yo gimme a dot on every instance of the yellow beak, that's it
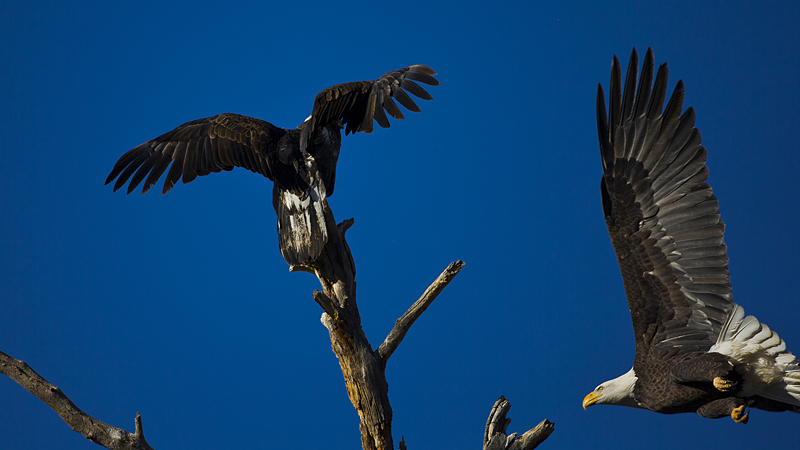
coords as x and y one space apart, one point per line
591 399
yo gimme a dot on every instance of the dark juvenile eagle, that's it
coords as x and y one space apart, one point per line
301 162
696 351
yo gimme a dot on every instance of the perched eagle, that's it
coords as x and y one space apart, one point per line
696 351
301 162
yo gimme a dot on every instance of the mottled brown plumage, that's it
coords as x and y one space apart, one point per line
665 227
301 161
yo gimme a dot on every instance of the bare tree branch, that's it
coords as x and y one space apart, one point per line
330 308
403 324
495 438
345 225
533 437
497 424
96 431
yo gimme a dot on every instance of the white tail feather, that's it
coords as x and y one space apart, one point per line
769 370
777 348
762 335
301 224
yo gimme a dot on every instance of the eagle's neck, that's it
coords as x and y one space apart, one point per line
619 391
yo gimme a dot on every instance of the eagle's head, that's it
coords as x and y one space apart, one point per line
618 391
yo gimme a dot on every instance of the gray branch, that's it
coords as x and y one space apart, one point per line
403 324
495 437
92 429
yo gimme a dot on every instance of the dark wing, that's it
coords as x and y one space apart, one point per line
663 220
354 106
198 148
358 103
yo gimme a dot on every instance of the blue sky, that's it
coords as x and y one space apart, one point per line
181 307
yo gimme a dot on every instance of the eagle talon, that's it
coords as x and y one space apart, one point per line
739 415
723 385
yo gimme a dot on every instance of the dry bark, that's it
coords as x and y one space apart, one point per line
495 437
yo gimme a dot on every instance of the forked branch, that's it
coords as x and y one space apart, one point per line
495 437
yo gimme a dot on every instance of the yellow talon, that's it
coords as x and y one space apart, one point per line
739 415
722 384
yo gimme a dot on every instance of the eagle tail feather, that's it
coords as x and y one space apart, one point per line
770 371
788 389
302 233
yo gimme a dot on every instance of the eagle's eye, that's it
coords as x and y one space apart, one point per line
599 389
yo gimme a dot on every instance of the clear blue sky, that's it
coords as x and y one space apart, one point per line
181 307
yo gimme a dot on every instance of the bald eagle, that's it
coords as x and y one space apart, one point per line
696 351
301 162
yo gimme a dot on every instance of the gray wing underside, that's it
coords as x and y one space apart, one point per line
662 217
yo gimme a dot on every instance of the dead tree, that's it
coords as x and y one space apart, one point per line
363 368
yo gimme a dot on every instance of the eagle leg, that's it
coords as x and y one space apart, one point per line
740 415
724 407
723 384
704 367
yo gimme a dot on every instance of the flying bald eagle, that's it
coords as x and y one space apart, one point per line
301 162
696 351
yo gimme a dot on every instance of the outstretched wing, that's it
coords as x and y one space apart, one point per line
358 103
663 220
354 106
198 148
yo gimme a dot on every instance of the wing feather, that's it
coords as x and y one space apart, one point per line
145 169
662 217
415 89
198 148
392 108
174 173
163 159
123 177
405 100
357 104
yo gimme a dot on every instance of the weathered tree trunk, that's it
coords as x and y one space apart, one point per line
363 368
